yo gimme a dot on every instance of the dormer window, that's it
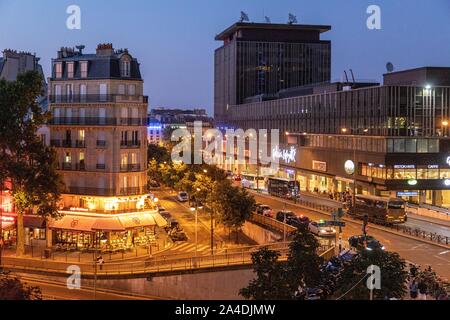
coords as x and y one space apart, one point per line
125 68
84 69
58 70
70 70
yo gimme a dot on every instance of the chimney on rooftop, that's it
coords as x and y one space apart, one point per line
105 49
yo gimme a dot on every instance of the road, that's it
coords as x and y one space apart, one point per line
428 226
54 290
410 249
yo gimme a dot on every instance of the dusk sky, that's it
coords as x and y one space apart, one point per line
174 39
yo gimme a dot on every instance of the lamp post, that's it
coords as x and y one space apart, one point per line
444 127
195 209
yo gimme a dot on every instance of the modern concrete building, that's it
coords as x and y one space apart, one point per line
99 129
257 60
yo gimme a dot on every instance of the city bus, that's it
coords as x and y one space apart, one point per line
252 181
283 188
380 210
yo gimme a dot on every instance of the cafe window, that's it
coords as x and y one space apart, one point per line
422 173
433 173
445 173
404 174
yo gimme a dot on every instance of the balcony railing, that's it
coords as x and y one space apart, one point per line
91 191
131 191
130 144
98 121
130 167
68 143
68 166
97 98
101 166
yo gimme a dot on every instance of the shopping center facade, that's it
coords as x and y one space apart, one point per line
388 139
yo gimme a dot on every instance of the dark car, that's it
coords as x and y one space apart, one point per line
292 219
178 236
365 242
261 207
166 215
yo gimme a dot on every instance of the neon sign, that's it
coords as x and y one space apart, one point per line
288 155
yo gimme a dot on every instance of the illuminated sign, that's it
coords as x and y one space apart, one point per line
447 182
404 166
448 161
412 182
407 194
433 166
8 219
319 166
349 167
288 155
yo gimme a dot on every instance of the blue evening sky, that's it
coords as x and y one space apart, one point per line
174 39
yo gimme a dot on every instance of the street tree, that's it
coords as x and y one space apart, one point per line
270 282
158 153
12 288
303 260
27 162
393 276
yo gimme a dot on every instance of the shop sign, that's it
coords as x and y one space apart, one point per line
7 219
407 194
319 166
433 166
447 182
404 166
287 155
349 167
412 182
448 161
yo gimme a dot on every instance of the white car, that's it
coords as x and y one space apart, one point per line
182 196
321 231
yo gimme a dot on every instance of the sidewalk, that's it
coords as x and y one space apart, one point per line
162 244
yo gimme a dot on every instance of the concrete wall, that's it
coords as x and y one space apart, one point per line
259 234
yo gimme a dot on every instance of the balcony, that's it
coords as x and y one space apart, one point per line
91 191
97 121
101 143
68 166
130 144
68 143
97 98
130 167
131 191
101 166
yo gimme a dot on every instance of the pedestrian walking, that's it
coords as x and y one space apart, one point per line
413 288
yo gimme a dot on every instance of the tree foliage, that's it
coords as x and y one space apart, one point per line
11 288
271 282
24 159
393 276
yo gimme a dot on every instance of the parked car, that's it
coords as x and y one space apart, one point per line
237 177
291 218
166 215
321 231
365 243
182 196
178 236
261 207
160 208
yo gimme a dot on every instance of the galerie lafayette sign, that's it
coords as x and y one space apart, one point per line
288 155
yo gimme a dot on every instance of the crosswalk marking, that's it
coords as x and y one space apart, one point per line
190 247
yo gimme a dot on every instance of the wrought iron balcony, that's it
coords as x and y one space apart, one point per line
97 98
97 121
130 144
130 167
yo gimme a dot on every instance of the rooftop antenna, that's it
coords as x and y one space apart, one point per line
267 19
389 67
80 48
244 17
346 77
292 19
353 76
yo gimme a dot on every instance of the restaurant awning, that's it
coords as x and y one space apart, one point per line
113 223
75 223
34 222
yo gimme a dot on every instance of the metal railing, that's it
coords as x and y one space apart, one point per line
101 143
169 263
96 98
97 121
130 144
91 191
272 223
130 167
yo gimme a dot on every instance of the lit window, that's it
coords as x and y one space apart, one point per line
84 69
125 68
58 70
70 70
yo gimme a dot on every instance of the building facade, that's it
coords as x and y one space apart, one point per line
257 60
389 139
99 129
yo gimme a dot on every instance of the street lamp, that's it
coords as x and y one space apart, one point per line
445 125
195 209
344 130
